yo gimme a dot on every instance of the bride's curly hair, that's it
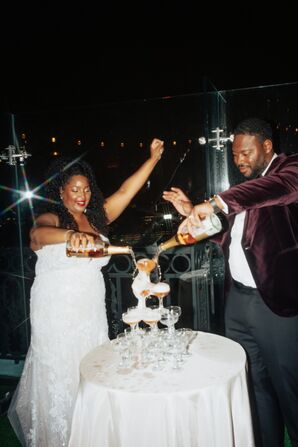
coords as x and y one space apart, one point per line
57 176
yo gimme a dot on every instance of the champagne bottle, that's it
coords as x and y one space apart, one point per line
212 224
100 249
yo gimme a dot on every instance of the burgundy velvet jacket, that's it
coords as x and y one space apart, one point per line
270 235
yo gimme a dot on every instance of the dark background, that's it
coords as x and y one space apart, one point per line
73 72
62 58
59 55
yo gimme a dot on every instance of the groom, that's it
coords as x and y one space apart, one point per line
261 254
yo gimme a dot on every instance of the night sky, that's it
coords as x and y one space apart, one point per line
52 59
58 61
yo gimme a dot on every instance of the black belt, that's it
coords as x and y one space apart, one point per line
244 288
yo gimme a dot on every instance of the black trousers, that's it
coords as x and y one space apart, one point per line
271 344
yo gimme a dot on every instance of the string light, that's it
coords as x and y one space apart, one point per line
24 138
123 144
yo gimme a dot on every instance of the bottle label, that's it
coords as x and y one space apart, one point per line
210 225
86 253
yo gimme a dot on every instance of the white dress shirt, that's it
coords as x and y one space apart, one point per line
239 267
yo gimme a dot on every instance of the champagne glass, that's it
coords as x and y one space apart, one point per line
132 317
151 316
123 347
187 335
141 288
170 316
174 310
167 319
160 290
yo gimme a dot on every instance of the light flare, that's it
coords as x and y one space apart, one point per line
28 194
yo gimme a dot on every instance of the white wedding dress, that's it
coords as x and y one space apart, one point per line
68 319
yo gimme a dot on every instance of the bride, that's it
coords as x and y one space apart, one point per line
67 304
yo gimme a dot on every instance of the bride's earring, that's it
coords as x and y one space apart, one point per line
85 210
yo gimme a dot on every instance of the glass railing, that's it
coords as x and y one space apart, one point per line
115 139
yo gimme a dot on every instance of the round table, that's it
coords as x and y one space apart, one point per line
203 404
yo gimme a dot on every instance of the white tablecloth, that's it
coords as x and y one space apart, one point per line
204 404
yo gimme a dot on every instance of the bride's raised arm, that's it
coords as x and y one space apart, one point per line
119 200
